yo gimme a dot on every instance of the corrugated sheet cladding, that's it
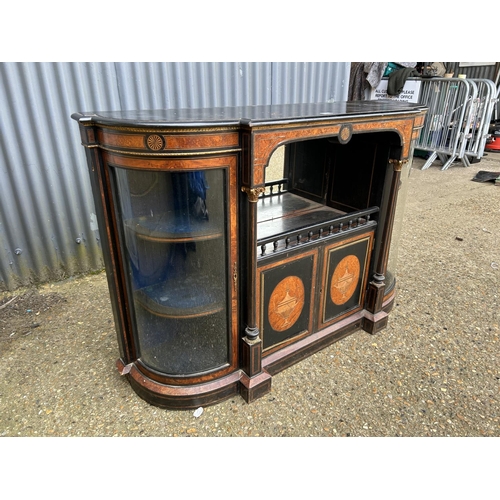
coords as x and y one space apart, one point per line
47 224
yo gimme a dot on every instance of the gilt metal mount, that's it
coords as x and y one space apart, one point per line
253 193
397 164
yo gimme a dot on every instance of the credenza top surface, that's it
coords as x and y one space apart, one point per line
247 115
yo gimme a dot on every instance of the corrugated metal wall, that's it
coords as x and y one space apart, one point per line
47 224
488 72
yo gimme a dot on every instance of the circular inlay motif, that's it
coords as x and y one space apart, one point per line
154 142
286 303
345 280
345 133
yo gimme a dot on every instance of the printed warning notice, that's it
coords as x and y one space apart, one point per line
410 92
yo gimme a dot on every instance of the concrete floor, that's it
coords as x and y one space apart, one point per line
437 358
434 371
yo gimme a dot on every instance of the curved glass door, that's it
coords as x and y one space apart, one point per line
175 234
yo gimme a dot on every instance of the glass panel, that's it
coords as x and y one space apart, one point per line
275 170
174 227
398 224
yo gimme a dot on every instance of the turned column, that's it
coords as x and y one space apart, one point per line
254 382
376 320
252 339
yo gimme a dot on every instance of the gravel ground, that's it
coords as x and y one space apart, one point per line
434 371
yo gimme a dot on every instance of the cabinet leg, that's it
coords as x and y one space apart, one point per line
375 318
254 382
251 356
375 297
252 388
373 323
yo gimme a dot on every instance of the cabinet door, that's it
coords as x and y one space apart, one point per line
177 226
285 291
344 278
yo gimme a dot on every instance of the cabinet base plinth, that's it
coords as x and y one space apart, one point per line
373 323
375 297
254 381
251 356
252 388
180 397
293 353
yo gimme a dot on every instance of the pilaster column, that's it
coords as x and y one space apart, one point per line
376 320
254 382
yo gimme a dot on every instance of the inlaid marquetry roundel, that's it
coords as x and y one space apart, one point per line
155 142
345 133
345 279
286 303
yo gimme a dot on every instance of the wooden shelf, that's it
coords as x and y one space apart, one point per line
188 298
288 212
171 228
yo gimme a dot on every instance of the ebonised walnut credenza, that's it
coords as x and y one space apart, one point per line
226 266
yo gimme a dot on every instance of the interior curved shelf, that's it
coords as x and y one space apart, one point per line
171 229
188 298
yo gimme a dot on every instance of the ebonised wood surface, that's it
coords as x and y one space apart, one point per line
288 212
250 115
